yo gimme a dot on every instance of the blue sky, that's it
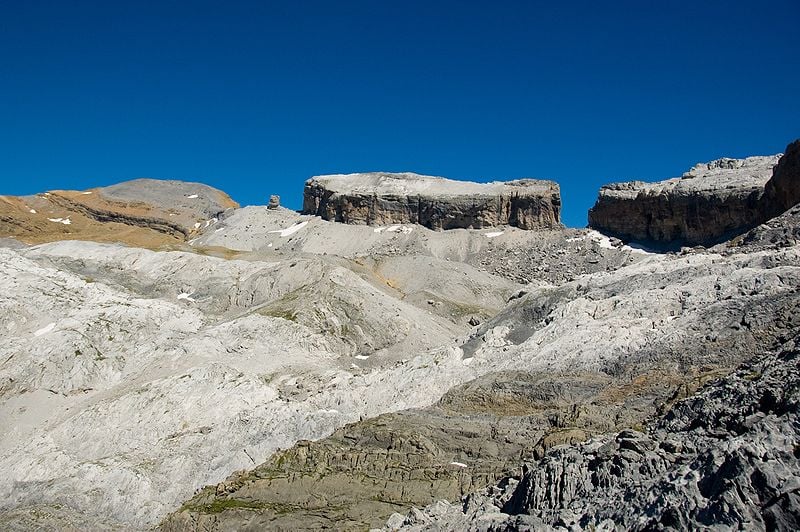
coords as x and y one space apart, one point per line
255 97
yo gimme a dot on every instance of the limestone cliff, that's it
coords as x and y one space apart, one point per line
782 192
708 203
387 198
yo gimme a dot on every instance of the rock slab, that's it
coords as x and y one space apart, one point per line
379 198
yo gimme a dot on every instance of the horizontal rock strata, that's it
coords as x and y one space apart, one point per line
707 203
143 212
435 202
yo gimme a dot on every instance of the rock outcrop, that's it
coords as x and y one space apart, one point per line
726 458
783 190
708 203
396 198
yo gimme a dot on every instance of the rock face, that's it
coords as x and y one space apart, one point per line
725 458
783 190
708 203
387 198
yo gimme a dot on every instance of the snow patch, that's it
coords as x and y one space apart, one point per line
399 229
65 221
493 234
602 240
378 229
197 225
32 211
193 196
291 230
362 357
605 242
86 193
44 330
638 248
458 464
187 296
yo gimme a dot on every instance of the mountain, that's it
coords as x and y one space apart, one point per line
174 360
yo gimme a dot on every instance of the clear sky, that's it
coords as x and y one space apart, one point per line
255 97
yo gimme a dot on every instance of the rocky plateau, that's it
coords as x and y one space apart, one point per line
435 202
710 203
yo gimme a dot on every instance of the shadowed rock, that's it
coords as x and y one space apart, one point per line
706 204
783 190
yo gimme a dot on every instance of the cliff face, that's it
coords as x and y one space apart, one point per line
435 202
708 203
782 192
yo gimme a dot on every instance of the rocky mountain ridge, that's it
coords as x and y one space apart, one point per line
317 374
149 213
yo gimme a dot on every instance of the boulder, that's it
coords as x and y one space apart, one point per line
395 198
274 202
709 203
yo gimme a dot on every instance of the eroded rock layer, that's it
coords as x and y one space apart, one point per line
709 202
726 458
148 213
435 202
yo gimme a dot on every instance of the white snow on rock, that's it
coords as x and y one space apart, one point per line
290 230
602 240
197 225
193 196
46 329
65 221
33 211
493 234
405 229
186 296
458 464
362 357
638 248
86 193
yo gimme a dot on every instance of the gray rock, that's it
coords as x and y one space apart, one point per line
387 198
274 202
708 203
731 464
783 190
